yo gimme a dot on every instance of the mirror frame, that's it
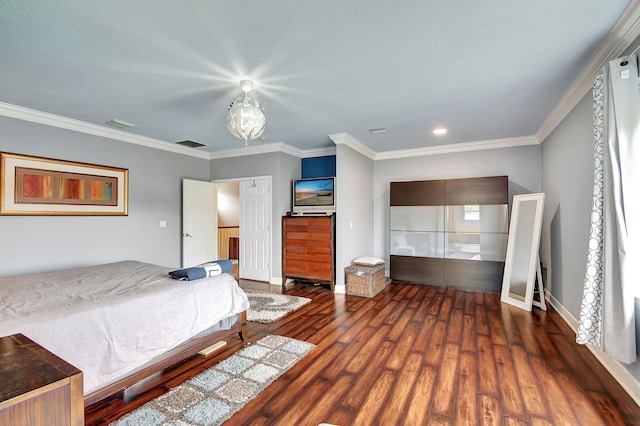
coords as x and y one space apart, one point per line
515 229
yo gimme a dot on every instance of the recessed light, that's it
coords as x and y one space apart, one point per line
120 123
439 131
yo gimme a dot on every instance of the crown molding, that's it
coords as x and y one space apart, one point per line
459 147
623 33
27 114
351 142
48 119
257 149
35 116
319 152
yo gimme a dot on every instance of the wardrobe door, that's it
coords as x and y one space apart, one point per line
416 238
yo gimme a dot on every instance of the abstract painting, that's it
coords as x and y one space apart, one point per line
45 186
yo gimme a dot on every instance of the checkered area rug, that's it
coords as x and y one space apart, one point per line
214 395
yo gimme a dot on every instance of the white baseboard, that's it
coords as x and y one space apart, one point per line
629 383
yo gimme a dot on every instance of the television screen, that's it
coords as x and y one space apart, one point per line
313 195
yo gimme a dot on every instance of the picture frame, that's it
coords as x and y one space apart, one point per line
38 186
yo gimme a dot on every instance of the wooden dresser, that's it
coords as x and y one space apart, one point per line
37 387
308 248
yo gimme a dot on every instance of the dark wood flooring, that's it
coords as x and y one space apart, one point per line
418 355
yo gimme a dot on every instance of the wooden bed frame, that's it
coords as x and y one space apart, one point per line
169 359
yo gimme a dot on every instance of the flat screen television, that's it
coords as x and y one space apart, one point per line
315 195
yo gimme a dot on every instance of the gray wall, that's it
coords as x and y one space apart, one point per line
282 168
567 170
354 216
521 164
40 243
567 180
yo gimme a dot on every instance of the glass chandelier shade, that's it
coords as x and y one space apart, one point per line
245 117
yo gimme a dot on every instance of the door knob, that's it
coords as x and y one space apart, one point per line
187 235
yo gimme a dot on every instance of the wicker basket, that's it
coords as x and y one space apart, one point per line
365 280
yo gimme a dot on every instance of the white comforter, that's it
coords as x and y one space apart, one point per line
107 320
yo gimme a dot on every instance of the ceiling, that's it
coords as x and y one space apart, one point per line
485 70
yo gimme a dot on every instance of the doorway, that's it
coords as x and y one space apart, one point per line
244 225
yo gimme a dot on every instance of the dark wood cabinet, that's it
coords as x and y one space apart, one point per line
37 387
417 269
417 193
449 232
484 190
234 248
308 248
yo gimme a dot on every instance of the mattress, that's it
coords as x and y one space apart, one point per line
107 320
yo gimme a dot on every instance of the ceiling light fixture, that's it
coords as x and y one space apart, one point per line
245 117
439 131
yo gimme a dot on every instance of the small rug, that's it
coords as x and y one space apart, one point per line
214 395
268 307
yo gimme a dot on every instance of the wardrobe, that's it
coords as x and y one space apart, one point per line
450 232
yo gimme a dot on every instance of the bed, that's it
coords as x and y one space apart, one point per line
121 322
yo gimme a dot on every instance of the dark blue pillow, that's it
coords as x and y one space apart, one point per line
188 274
197 272
226 265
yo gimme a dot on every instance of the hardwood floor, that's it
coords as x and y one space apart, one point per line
419 355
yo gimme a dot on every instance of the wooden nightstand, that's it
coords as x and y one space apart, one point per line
37 387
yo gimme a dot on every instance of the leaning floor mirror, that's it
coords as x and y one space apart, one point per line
521 264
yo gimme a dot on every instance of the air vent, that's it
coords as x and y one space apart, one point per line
121 124
190 144
377 130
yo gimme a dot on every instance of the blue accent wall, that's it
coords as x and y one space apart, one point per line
315 167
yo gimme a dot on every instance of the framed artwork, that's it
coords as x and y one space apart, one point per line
48 187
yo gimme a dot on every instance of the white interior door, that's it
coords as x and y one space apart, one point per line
199 222
255 229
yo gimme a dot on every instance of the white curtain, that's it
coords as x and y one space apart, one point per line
612 280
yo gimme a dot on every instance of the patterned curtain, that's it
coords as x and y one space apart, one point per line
607 314
590 321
